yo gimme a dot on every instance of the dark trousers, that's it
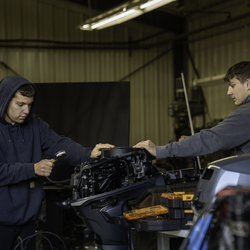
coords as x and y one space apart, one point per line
11 237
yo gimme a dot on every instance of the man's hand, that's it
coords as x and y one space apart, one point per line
97 149
183 137
148 145
44 167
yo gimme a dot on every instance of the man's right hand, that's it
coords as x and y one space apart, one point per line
183 137
44 167
148 145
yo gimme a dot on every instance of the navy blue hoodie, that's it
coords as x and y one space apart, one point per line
21 146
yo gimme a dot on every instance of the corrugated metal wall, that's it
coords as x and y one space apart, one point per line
216 49
51 56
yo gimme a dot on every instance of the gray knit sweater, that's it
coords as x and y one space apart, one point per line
232 133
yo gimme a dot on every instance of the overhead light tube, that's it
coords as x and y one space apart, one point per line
145 5
122 13
112 19
154 4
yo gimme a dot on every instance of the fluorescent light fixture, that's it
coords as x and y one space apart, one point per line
122 13
154 4
113 18
149 3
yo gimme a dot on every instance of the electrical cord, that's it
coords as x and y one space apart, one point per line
21 242
41 242
51 247
38 234
57 182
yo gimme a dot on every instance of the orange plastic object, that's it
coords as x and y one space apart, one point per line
171 196
187 197
145 212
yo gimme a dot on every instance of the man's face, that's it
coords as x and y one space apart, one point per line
18 108
238 91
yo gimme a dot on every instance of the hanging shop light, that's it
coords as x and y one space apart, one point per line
122 13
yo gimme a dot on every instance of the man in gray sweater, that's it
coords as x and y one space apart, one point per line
231 133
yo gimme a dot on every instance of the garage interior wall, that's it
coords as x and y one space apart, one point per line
39 41
216 49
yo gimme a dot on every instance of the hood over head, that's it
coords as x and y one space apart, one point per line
8 87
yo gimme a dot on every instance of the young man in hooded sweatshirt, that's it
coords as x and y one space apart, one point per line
25 138
231 133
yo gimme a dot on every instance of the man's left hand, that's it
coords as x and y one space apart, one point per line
97 149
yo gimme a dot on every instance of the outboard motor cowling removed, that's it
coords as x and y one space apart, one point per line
103 187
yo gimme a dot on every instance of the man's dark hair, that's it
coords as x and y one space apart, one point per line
240 71
27 90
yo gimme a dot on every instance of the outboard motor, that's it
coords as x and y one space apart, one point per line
103 187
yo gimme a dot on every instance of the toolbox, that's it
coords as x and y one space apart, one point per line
161 209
